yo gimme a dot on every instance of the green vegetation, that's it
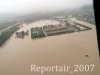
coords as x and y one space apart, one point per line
6 34
6 24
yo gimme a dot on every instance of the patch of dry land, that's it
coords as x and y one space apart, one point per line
16 55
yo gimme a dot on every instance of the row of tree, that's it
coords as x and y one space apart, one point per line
6 34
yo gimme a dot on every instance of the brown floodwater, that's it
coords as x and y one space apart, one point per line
16 55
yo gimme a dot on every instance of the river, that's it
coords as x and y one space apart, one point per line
16 55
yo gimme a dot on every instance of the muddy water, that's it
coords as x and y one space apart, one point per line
17 55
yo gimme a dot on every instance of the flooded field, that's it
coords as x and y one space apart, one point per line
16 55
